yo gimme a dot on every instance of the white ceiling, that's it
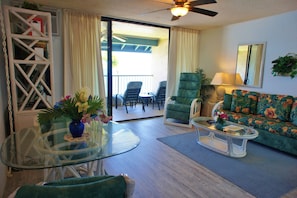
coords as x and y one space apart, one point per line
229 11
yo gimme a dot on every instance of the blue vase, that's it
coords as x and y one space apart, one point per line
76 128
219 126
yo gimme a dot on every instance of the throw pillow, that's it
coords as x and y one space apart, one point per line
240 104
241 101
227 102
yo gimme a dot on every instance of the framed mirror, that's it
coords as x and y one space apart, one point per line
249 65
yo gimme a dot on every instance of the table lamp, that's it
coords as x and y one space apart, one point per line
220 79
238 79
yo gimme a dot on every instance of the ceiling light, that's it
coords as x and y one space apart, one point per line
179 11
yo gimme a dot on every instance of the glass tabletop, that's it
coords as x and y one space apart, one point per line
231 129
36 148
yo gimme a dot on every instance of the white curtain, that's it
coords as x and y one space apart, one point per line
183 55
82 53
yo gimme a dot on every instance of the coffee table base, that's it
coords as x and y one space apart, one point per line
225 147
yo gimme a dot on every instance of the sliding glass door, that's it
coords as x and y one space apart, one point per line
132 52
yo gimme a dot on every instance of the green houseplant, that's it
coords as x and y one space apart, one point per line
206 87
285 65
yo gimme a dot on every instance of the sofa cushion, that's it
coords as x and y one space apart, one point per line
240 102
275 106
275 126
293 115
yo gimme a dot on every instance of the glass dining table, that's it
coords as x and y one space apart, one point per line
53 149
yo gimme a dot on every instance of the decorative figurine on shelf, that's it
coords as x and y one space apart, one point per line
220 118
80 109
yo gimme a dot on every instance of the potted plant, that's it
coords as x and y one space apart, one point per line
285 66
30 6
206 88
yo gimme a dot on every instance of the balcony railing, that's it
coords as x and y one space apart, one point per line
119 83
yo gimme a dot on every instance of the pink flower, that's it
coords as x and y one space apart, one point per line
223 116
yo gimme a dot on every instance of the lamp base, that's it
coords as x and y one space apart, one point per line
220 91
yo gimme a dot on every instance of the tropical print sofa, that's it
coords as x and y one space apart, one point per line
274 116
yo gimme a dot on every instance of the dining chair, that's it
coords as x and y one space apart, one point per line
131 95
179 109
96 186
160 96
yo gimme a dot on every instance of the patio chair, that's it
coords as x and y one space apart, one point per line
180 109
131 95
96 186
160 96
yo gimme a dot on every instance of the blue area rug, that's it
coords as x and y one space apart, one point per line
264 172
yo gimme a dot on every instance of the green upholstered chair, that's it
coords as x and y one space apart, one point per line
186 105
86 187
131 95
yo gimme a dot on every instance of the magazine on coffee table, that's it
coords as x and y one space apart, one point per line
232 128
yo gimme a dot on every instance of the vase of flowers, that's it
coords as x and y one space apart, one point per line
220 118
79 109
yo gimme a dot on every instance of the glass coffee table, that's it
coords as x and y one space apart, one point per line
232 141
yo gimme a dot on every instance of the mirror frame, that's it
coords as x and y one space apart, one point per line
242 71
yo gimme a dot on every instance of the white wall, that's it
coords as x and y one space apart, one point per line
218 48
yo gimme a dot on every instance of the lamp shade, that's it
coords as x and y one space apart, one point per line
238 79
221 78
179 11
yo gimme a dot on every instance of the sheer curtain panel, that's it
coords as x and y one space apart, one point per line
183 55
82 53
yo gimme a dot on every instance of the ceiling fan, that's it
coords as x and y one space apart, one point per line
182 7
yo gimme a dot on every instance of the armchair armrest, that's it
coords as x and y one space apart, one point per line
173 97
217 107
195 108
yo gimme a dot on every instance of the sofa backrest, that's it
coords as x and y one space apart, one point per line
283 107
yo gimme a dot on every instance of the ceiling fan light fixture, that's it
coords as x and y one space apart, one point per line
179 11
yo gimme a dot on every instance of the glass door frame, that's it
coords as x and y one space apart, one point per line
109 21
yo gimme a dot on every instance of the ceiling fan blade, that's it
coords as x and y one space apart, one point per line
174 18
157 10
201 2
203 11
